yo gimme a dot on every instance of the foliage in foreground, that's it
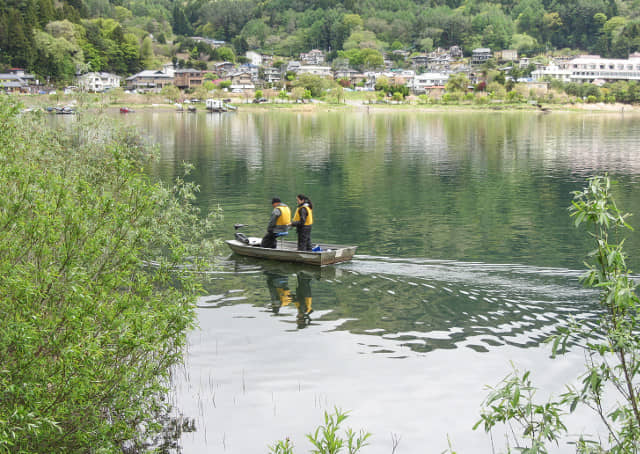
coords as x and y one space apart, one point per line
611 380
327 439
94 315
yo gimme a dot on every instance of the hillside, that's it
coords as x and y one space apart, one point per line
57 38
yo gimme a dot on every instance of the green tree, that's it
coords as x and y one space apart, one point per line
181 25
19 41
255 33
317 85
46 12
171 92
146 53
224 54
57 57
457 82
91 328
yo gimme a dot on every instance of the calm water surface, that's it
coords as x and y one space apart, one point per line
467 261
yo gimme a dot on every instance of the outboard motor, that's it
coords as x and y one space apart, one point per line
242 237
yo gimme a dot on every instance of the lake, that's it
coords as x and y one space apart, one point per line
467 260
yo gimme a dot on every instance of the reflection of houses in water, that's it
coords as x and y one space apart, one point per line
584 144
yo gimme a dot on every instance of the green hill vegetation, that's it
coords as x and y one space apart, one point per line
57 39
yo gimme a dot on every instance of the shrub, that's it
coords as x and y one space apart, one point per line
94 315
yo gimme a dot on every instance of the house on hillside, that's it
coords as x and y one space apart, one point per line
241 82
480 55
551 71
251 69
314 57
506 55
272 75
98 82
403 77
323 71
430 83
187 78
18 81
254 57
455 52
224 67
149 80
421 60
348 74
294 66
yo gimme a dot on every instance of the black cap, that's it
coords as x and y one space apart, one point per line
275 200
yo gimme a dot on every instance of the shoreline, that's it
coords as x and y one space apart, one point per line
100 103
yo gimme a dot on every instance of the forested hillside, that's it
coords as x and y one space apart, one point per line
57 38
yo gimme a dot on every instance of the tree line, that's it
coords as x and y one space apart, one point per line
59 38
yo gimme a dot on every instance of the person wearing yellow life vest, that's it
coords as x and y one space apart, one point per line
302 221
278 223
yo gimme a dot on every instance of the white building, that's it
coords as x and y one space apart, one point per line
551 71
254 58
272 75
588 68
98 81
422 83
313 57
480 55
324 71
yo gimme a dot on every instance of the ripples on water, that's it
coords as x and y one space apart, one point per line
421 304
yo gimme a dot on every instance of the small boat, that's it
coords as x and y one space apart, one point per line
215 105
192 109
125 110
64 110
286 251
218 105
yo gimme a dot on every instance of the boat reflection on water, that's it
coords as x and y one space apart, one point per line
419 304
282 296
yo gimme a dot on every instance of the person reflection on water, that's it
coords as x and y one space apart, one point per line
302 221
303 300
281 295
278 285
278 223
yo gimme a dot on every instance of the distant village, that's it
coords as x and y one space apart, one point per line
427 73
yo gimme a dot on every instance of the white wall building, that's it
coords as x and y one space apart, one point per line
588 68
313 57
98 81
551 71
254 58
424 82
324 71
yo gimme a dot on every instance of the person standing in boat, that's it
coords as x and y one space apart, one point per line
279 223
302 221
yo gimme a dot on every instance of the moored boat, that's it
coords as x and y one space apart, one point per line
287 252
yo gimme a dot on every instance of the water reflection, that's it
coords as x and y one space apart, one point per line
423 305
281 295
